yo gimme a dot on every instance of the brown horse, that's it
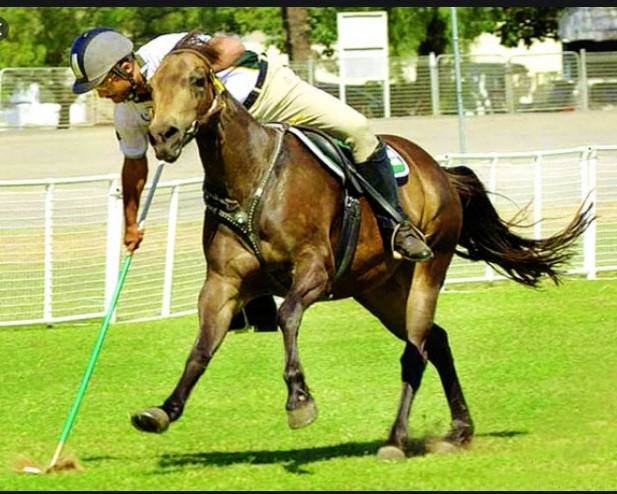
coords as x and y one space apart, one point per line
290 208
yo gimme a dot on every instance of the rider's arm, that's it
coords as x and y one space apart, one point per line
134 175
133 142
229 50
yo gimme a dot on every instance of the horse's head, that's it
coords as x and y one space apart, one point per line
185 93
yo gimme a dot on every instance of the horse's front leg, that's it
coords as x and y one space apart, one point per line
309 285
217 304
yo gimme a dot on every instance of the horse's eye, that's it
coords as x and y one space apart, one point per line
199 81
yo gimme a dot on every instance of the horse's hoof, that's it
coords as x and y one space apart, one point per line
151 420
391 453
302 416
460 434
442 447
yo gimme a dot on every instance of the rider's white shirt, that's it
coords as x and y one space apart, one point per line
131 119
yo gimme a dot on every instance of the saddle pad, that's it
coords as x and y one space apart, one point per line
399 166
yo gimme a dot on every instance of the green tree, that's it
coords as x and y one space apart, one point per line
21 48
527 24
37 38
43 35
411 30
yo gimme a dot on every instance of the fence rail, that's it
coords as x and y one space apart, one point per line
425 85
60 239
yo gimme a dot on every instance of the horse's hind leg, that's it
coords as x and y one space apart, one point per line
217 304
309 284
408 314
388 303
440 355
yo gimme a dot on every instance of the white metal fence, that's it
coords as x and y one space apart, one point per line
415 86
60 240
42 97
490 84
552 185
60 250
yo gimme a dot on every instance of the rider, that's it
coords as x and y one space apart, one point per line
104 60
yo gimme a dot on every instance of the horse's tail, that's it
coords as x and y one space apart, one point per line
487 237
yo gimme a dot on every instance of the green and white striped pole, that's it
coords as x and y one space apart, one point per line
68 425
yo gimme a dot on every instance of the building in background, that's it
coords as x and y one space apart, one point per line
591 28
592 33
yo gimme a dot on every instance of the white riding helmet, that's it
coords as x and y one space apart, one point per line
94 54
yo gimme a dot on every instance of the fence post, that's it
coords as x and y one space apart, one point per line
310 69
509 89
170 253
1 76
48 255
342 80
582 79
115 218
94 109
386 89
537 196
434 72
489 272
588 189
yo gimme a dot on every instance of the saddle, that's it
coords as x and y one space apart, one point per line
337 159
336 156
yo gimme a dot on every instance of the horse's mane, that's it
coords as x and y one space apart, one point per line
198 42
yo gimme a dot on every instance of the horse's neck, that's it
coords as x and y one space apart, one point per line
235 151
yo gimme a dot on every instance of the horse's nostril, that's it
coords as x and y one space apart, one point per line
172 131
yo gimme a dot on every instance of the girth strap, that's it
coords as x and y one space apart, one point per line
348 240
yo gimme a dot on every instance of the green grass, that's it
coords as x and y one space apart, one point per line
538 369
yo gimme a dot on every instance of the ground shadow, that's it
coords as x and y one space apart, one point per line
103 458
292 460
502 434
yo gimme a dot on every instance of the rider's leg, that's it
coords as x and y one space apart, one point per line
403 238
287 98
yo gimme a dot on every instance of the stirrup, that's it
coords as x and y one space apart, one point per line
420 236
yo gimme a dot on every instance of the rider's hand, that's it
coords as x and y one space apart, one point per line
132 238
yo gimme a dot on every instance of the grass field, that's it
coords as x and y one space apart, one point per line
538 369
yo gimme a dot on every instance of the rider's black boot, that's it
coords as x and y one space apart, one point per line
404 239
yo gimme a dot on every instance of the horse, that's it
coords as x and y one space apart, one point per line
273 221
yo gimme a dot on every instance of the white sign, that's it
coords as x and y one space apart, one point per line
363 51
363 45
357 30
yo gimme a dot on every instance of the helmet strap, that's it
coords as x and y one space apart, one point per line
133 95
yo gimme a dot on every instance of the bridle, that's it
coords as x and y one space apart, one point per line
217 102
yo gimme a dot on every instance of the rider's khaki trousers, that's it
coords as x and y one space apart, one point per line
287 98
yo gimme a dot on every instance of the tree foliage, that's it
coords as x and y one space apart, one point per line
42 36
526 24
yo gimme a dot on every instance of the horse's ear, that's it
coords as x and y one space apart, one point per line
197 41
